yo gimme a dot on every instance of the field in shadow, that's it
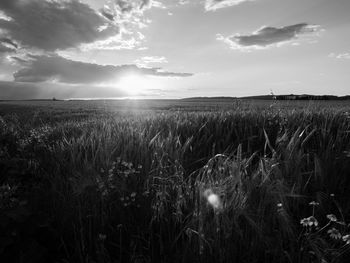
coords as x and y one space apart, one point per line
174 181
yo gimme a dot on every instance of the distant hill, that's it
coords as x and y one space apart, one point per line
272 97
210 99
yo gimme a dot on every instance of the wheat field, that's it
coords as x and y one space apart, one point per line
173 181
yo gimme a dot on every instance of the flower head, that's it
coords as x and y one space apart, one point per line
309 221
334 233
346 239
304 222
332 218
314 203
102 237
313 221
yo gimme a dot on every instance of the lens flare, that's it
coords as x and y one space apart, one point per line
213 199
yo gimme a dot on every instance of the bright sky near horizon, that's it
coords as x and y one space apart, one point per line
173 48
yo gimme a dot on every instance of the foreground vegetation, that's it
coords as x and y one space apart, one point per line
248 184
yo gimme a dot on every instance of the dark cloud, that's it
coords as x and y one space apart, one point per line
11 90
5 48
53 25
18 60
145 4
8 4
9 42
107 14
22 91
268 36
7 45
59 69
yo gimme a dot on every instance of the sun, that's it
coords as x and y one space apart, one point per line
132 84
138 85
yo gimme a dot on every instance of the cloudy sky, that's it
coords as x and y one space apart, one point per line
173 48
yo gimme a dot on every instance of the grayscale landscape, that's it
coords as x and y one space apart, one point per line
174 131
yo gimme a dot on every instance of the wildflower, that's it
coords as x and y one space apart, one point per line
313 203
102 237
213 199
313 221
309 221
332 218
133 194
279 205
346 239
334 233
304 222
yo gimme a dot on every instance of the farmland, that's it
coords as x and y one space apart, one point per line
130 181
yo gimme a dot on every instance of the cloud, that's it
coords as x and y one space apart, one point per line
118 42
17 90
130 11
212 5
53 25
184 2
10 90
6 46
57 69
340 56
145 61
128 15
129 6
268 36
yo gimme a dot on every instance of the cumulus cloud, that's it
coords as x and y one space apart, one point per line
53 25
212 5
129 11
268 36
130 6
128 15
61 70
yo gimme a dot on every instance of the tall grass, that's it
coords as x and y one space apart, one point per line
131 187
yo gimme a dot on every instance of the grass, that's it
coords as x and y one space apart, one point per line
129 182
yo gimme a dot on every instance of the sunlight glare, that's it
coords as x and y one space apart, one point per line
138 85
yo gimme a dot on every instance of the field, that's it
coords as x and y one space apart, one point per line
174 181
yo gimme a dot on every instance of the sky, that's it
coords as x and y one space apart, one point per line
167 49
